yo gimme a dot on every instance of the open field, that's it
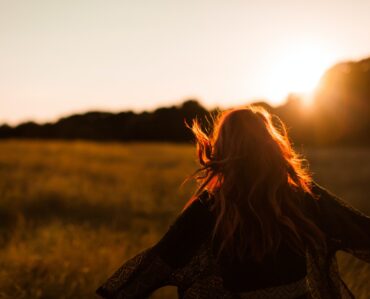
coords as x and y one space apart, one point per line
72 212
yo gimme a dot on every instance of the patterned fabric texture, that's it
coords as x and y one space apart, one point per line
201 279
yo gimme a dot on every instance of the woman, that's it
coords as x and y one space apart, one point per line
257 226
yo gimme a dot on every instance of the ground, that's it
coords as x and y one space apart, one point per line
72 211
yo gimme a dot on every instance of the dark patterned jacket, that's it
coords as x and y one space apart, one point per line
197 275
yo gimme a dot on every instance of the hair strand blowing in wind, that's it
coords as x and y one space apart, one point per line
258 182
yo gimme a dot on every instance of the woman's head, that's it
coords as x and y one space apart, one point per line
248 149
257 179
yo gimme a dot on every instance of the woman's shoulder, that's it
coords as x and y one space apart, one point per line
318 196
196 211
341 221
206 199
319 201
320 192
327 201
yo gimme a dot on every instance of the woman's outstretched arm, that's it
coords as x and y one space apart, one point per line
150 269
345 225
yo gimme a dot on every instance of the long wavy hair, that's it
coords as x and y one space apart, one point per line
258 182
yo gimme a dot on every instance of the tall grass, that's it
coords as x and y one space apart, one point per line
72 212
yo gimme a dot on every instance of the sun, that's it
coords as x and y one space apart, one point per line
297 69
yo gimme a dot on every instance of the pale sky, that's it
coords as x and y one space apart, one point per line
71 56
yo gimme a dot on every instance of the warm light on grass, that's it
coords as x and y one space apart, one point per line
76 210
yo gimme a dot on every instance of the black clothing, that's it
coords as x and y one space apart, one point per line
195 225
184 257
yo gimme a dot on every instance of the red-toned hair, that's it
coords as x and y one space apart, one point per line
258 182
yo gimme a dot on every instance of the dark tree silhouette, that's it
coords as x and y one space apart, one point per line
340 115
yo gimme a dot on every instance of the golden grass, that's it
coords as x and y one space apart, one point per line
72 212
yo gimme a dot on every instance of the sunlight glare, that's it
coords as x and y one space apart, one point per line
298 70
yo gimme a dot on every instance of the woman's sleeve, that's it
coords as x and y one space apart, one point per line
151 269
346 226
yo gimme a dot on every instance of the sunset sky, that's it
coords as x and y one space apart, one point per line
68 56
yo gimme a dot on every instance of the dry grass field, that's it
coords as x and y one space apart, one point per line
72 212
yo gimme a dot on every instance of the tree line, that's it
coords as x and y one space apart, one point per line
339 116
